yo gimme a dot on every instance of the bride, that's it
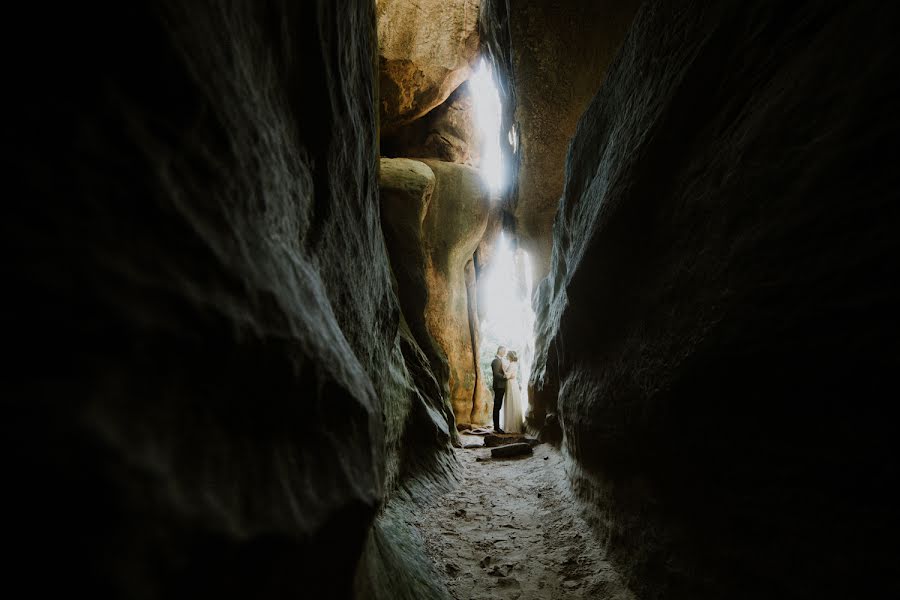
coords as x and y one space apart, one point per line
513 419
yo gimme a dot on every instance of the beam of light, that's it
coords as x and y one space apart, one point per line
509 318
487 116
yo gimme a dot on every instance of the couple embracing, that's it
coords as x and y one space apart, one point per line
505 368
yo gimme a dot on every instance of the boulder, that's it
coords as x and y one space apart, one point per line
425 51
510 450
406 188
723 327
448 133
494 440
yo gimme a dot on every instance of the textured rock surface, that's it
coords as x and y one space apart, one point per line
213 392
455 224
425 51
448 133
559 53
406 188
435 215
722 305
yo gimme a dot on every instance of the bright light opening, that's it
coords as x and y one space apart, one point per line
487 116
509 319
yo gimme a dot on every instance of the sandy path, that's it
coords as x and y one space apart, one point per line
512 530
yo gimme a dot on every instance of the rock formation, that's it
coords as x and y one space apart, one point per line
557 55
448 133
456 222
425 51
436 214
214 392
435 262
720 317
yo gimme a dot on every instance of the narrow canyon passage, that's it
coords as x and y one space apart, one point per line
270 264
512 529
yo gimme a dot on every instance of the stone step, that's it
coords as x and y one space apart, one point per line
508 450
494 440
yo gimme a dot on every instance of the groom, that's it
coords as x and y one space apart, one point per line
499 385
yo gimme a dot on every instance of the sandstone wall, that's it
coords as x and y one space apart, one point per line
213 392
449 133
721 313
427 113
436 214
426 49
559 52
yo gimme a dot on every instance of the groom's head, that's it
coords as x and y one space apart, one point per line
501 351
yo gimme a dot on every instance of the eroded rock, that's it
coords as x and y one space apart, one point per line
432 231
455 224
494 440
425 51
721 325
448 133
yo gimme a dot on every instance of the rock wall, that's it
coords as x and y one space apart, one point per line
448 133
456 223
213 391
721 313
426 49
436 215
559 52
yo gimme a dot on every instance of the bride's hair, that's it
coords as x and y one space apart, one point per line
512 356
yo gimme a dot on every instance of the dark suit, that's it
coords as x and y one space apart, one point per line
499 389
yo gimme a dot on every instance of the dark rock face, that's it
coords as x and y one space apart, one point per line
212 383
553 55
721 314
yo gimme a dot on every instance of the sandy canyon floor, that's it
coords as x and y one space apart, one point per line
512 530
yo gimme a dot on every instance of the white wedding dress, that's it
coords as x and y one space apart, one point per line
513 417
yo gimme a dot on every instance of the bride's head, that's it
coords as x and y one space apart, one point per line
512 356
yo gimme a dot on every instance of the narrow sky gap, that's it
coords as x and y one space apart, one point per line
487 116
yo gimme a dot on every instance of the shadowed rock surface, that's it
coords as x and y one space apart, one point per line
448 133
559 53
214 392
721 314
